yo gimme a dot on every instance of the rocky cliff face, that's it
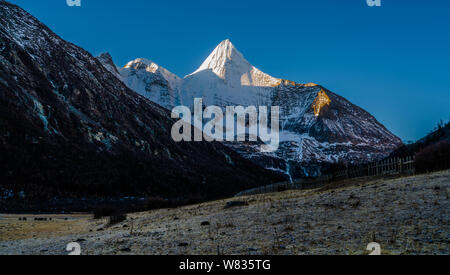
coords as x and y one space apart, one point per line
317 125
70 127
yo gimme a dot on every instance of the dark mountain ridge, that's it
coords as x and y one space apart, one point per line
441 133
70 129
432 153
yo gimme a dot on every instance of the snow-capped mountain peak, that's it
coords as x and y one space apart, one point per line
316 124
148 79
229 64
151 67
217 60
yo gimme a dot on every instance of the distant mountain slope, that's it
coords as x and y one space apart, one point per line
70 128
442 133
317 125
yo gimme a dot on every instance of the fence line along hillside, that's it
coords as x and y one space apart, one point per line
392 166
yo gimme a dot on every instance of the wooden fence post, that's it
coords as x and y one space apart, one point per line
401 165
397 165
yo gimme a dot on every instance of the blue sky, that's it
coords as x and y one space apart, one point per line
393 61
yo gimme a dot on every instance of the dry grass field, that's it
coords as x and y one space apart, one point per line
408 215
11 228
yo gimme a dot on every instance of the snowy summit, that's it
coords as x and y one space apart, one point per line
229 64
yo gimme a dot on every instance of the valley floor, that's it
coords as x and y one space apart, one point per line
405 216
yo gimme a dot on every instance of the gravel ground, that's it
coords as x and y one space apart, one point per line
405 216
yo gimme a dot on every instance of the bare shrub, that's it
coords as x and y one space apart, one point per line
104 211
117 218
434 157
